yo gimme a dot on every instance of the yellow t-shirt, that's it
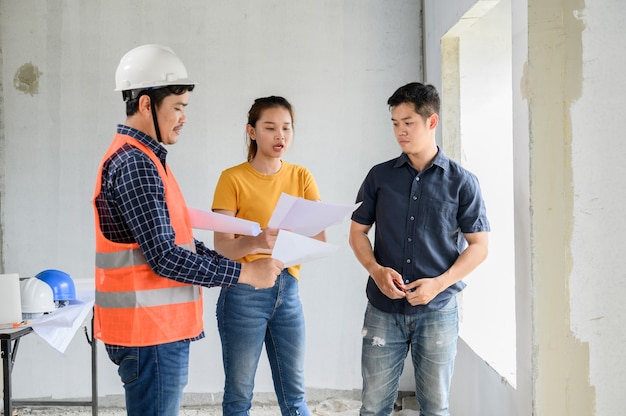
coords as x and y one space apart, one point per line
252 195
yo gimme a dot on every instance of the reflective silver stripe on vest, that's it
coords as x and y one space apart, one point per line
147 298
126 258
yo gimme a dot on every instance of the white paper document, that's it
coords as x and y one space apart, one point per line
292 248
58 328
306 217
206 220
297 218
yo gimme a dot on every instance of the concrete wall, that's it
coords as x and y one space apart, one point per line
574 83
337 62
568 150
598 148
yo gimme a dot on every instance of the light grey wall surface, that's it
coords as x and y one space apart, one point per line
337 62
581 370
568 152
598 147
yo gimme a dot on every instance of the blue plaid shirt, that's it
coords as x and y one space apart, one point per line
132 208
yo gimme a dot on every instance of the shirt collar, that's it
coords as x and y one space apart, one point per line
440 160
144 139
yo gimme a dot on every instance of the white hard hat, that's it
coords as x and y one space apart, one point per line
36 296
149 66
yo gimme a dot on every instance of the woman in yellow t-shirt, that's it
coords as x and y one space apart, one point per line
248 318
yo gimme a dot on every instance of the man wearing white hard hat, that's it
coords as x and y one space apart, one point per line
149 266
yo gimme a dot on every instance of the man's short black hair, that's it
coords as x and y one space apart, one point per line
424 98
131 97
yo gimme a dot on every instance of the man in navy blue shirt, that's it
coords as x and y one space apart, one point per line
431 231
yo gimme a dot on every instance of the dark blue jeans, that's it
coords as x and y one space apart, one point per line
246 319
154 377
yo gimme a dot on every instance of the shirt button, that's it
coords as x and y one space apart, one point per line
409 239
417 178
414 197
408 260
412 218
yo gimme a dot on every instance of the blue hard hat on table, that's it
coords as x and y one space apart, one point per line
61 283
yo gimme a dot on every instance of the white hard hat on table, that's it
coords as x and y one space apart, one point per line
36 297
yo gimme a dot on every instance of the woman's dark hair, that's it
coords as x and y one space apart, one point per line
260 105
424 98
131 97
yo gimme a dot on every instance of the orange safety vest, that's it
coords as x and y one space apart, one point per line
134 306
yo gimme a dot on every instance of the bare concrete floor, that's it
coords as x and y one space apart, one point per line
328 408
333 406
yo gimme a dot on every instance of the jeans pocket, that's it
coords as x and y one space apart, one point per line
244 287
127 360
450 307
129 369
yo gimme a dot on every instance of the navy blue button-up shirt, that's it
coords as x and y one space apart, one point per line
420 219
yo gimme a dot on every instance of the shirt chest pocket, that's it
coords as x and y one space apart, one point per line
440 216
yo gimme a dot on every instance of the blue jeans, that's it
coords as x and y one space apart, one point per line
154 377
246 319
432 338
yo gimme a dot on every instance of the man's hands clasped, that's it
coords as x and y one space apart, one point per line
418 292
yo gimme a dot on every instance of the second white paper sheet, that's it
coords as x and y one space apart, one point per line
292 248
306 217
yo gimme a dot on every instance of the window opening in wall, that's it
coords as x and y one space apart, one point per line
477 132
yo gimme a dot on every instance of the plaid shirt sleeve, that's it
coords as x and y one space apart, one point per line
139 196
